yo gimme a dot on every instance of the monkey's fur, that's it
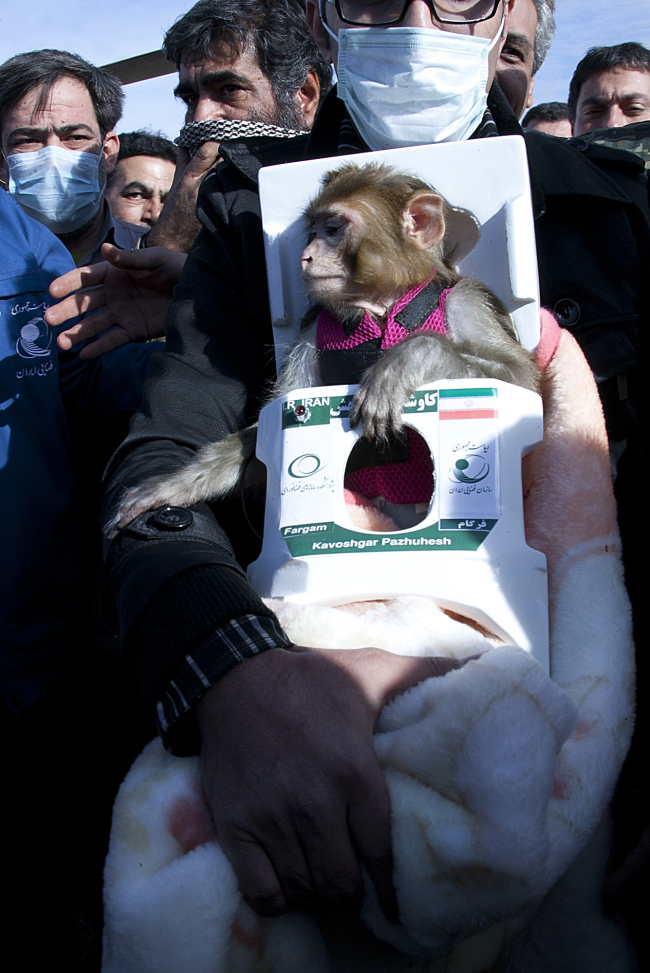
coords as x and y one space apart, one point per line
364 215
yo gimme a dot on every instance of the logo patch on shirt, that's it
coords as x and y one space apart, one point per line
34 339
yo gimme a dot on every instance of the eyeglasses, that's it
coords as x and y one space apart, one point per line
383 13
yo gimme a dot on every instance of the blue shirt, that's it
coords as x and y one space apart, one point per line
42 541
121 234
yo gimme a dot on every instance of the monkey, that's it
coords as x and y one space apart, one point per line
376 266
373 234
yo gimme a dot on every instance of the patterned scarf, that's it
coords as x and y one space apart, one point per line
195 134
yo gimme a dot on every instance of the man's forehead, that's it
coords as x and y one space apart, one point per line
66 102
523 19
221 57
148 169
615 81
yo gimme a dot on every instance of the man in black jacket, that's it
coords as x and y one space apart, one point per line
285 732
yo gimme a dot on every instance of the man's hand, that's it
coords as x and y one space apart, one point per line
133 291
296 794
178 226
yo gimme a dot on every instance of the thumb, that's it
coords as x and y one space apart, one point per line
124 259
133 260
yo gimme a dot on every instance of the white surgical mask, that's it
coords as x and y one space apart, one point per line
56 186
411 85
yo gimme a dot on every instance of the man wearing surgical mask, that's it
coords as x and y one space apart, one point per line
57 120
445 54
291 775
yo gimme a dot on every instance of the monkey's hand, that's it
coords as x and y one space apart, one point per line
388 384
215 472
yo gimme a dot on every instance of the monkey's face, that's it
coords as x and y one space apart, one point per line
328 258
372 234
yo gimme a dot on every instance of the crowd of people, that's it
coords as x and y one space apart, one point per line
110 241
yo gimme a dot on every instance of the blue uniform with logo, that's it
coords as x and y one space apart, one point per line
42 567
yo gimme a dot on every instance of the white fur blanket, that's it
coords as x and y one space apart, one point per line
498 774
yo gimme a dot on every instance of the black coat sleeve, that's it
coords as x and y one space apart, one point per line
206 385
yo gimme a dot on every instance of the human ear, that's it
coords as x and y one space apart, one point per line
110 150
531 96
423 221
307 98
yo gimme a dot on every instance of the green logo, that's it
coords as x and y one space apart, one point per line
305 465
470 469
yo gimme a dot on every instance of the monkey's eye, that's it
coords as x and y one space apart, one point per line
331 228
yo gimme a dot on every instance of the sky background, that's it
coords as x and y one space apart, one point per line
108 30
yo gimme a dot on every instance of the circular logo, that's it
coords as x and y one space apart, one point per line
470 469
302 413
305 465
34 339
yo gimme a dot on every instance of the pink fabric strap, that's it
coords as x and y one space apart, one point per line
550 334
331 336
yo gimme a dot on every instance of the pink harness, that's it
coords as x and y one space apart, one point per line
330 335
410 482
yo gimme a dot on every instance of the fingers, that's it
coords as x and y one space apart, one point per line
306 861
369 820
416 670
156 267
440 665
126 259
137 263
378 405
84 330
107 342
327 845
256 876
132 259
74 279
72 307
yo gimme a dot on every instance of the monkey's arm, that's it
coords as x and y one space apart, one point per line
480 343
300 369
215 471
482 330
217 468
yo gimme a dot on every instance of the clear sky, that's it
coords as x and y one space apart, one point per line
108 30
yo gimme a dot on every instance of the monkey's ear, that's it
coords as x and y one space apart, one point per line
423 221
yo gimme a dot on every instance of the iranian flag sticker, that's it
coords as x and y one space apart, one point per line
468 404
468 474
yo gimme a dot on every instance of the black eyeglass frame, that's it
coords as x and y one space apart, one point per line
407 3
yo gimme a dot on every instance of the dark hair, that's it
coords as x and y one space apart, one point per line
275 29
146 143
548 111
630 56
42 69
